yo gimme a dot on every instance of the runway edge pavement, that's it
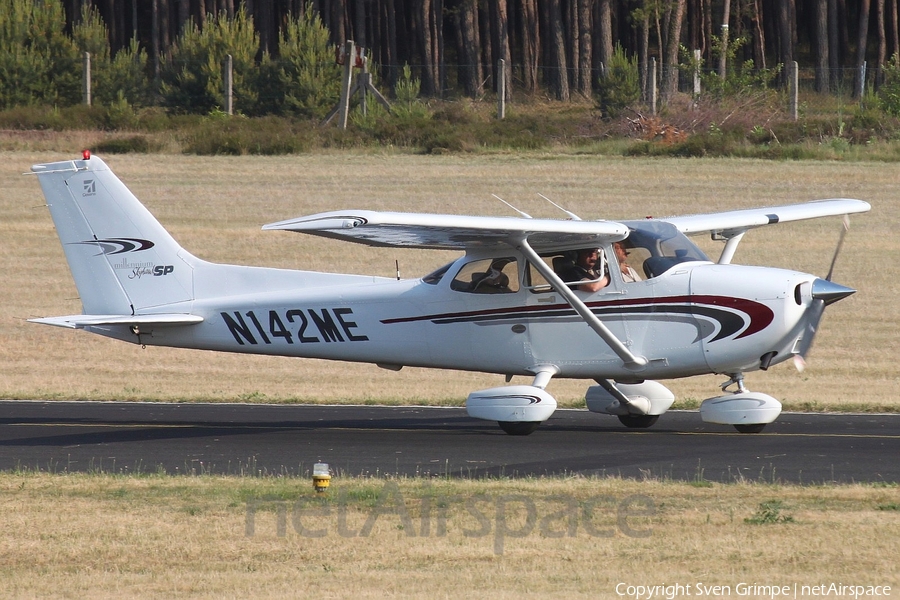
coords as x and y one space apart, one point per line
260 439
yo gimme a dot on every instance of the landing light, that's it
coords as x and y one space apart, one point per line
321 477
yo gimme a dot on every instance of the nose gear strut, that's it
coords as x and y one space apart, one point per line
735 379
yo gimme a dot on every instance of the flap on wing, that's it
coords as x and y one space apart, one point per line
82 321
451 232
736 221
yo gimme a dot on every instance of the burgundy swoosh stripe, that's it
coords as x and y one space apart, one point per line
760 315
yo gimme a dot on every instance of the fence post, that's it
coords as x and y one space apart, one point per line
227 82
862 82
793 85
86 79
697 58
652 83
365 81
346 84
501 89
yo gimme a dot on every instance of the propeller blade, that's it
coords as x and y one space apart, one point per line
824 292
814 312
844 230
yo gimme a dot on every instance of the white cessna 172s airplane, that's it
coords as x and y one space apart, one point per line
503 307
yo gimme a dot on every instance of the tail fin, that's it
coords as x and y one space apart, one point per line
121 258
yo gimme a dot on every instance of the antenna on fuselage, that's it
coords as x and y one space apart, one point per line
523 213
572 215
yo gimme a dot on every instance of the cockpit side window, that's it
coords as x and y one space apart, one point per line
488 276
566 265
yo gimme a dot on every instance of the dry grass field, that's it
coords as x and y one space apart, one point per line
106 536
215 207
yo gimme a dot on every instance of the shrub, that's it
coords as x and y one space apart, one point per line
406 94
455 113
769 513
113 80
889 92
621 86
305 81
38 62
741 78
240 136
192 79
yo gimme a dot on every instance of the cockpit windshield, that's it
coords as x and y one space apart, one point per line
435 277
661 246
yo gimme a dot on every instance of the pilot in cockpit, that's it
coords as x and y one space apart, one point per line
589 267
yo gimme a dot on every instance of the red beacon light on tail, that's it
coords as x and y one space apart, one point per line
86 154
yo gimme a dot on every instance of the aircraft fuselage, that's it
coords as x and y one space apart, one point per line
696 318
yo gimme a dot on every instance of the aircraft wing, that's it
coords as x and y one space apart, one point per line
82 321
736 221
452 232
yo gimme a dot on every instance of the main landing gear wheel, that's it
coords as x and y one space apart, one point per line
519 427
638 421
755 428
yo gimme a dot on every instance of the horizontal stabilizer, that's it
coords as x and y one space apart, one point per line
82 321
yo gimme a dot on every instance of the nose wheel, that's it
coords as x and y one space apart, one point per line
755 428
519 427
638 421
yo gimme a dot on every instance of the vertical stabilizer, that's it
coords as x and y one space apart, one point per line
121 258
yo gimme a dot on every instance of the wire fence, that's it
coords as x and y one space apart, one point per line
843 86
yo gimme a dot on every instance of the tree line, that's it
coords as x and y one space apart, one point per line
559 48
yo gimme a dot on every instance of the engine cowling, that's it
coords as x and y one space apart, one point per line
514 403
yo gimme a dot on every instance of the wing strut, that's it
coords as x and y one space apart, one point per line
731 244
632 362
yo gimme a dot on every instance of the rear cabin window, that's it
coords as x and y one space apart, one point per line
488 276
558 262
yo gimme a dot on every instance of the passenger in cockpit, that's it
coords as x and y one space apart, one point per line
628 274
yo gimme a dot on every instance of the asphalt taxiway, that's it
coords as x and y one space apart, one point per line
125 437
